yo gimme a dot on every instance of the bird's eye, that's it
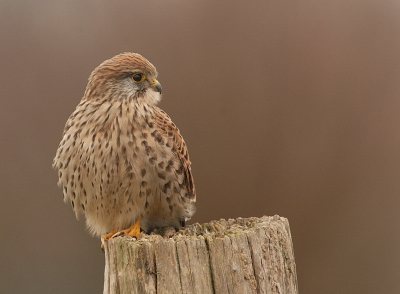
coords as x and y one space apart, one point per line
138 77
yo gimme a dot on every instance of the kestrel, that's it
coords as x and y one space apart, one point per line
122 162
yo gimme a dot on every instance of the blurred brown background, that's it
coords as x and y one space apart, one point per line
288 107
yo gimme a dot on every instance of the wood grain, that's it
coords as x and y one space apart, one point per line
252 255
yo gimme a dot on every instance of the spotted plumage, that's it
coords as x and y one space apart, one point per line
121 159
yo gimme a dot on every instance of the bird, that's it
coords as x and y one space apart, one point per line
122 162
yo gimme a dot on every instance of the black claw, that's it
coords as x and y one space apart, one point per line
118 234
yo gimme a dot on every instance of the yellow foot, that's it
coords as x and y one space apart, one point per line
133 231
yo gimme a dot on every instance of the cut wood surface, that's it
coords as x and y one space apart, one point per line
245 255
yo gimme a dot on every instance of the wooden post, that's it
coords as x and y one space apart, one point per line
252 255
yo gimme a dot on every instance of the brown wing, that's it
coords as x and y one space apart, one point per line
168 128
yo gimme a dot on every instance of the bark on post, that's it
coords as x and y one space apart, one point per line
252 255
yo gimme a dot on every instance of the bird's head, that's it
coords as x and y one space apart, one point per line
125 76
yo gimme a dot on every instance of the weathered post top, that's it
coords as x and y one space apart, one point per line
245 255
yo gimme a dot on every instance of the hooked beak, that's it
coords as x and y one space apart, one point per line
156 85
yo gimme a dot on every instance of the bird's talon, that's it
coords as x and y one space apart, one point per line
118 234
